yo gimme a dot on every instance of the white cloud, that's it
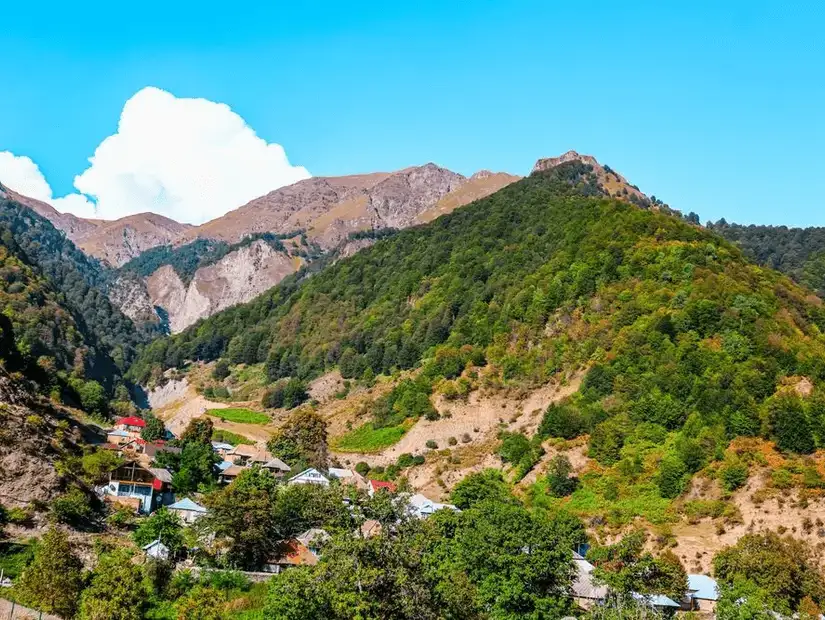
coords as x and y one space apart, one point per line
189 159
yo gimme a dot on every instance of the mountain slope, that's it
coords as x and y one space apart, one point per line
545 276
797 252
80 284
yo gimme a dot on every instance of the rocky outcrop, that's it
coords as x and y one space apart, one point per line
118 242
128 292
236 278
613 183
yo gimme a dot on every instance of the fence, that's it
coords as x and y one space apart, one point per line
10 610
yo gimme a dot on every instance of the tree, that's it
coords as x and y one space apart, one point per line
53 581
790 425
199 430
671 478
627 568
161 524
154 429
117 590
201 603
478 487
517 565
302 439
241 513
294 595
559 481
197 467
782 568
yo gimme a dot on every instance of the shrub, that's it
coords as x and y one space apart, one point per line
671 478
362 468
733 473
452 441
513 447
562 421
559 481
405 460
432 444
465 438
72 507
221 370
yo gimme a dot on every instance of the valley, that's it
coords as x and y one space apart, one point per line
559 351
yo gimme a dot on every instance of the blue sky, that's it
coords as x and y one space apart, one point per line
717 108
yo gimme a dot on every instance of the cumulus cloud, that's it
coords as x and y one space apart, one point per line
189 159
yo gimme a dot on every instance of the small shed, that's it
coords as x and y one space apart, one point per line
703 593
188 510
156 550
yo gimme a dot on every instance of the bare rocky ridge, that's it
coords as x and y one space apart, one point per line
236 278
118 242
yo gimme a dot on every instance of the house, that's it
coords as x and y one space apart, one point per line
156 550
131 424
276 467
659 602
310 476
314 539
290 553
149 485
586 592
187 510
244 454
422 507
118 437
221 448
702 594
373 486
151 450
230 473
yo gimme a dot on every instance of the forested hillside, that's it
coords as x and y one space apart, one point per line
544 277
797 252
80 281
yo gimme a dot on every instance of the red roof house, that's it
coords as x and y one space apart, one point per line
131 420
376 485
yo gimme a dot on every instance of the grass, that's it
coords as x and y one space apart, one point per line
240 415
219 434
14 558
366 439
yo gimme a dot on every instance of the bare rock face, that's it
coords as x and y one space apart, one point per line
397 201
236 278
129 294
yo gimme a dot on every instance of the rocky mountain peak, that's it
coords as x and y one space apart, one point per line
548 163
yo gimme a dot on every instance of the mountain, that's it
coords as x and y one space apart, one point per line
797 252
329 208
73 226
227 261
614 360
541 277
119 241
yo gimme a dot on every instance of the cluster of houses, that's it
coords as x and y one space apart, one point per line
143 486
701 596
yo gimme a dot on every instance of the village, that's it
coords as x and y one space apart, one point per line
143 486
